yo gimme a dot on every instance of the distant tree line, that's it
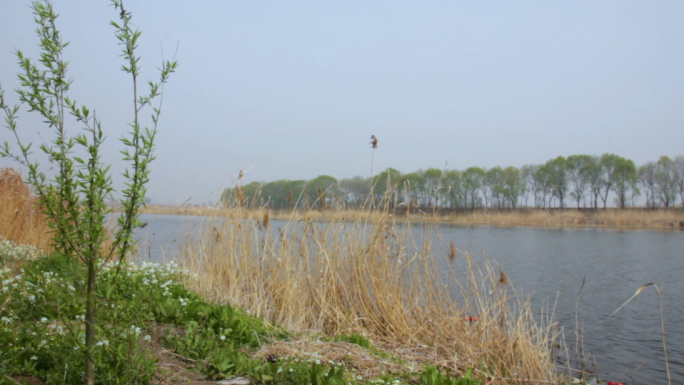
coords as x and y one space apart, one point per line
582 181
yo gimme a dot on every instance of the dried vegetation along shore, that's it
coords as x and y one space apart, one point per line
21 220
369 275
529 217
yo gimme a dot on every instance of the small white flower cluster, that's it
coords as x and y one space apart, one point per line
14 286
157 277
134 331
56 328
10 282
317 359
314 357
43 336
48 276
17 252
18 286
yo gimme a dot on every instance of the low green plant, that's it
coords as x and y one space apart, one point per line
41 319
354 338
322 375
214 336
433 376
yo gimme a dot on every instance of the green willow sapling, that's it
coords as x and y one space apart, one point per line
74 199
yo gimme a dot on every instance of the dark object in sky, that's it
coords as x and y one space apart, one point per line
374 141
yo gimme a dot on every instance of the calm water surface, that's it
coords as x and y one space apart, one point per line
543 262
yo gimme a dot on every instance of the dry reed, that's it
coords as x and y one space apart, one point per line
372 275
21 220
610 218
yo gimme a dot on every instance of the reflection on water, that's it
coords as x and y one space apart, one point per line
544 262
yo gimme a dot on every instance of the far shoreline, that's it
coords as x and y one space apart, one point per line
610 218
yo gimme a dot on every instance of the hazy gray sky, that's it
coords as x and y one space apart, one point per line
296 88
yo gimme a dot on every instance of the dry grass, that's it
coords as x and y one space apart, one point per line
21 220
178 210
527 217
611 218
371 275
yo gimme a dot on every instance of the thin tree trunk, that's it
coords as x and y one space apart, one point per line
90 324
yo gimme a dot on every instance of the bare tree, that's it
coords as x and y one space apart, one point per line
665 185
646 177
527 181
578 175
679 177
596 178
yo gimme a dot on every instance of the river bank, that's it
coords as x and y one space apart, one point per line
366 280
547 265
658 220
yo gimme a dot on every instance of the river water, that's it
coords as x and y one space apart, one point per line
550 266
